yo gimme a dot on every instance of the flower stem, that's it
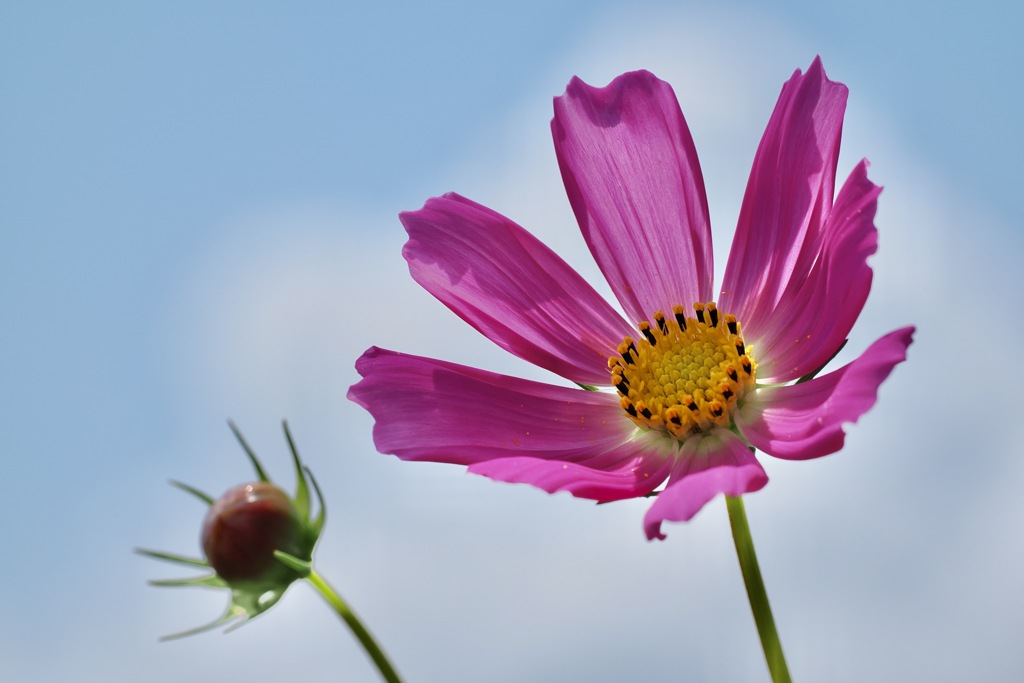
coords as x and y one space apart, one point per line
345 612
755 590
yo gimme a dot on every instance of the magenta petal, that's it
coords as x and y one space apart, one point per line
428 409
633 179
513 289
817 313
633 469
804 421
789 194
717 462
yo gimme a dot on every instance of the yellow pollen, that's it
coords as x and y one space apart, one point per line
683 374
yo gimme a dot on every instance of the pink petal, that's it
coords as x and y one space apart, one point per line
633 469
804 421
634 182
717 462
817 312
509 286
428 409
788 197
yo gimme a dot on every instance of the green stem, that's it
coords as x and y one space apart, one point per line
755 590
367 641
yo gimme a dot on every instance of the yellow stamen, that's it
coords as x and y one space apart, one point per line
683 375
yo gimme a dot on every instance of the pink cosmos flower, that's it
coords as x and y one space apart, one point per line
691 382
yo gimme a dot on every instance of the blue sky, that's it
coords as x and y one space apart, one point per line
198 219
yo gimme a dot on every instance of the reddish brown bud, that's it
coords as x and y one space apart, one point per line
245 526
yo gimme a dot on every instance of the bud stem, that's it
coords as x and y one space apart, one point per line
756 593
348 616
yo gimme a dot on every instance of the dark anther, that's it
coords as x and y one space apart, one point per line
713 312
700 314
740 348
717 411
623 387
732 327
660 319
727 393
681 319
645 412
732 374
646 329
631 409
746 365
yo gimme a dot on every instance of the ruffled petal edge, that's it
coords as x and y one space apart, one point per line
631 172
788 196
804 421
718 462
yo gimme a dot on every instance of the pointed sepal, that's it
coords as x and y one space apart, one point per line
205 497
260 472
171 557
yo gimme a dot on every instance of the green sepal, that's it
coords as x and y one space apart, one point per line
317 523
211 581
205 497
303 480
171 557
588 387
249 452
303 567
301 487
226 618
246 604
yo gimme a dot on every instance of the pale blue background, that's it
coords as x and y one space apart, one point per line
198 221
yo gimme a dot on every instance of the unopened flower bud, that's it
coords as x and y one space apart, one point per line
258 540
245 526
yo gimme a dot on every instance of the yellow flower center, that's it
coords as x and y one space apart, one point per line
685 374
